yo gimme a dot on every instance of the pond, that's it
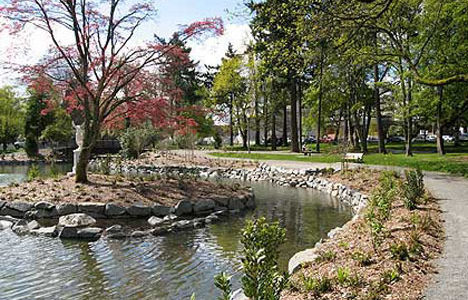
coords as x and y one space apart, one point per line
166 267
18 173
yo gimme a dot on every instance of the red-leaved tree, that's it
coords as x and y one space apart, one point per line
101 74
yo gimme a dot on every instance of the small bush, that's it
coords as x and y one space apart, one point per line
33 172
391 276
364 259
317 285
342 275
376 291
399 251
415 246
413 188
223 283
326 256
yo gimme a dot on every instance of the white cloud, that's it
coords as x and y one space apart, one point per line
211 50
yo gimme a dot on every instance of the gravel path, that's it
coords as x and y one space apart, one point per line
452 280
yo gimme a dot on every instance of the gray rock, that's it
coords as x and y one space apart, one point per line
250 202
33 225
16 208
154 221
221 200
89 233
93 209
2 204
66 209
68 233
20 227
183 224
138 210
184 207
239 295
46 231
76 220
44 205
114 210
236 203
204 206
9 219
170 217
139 234
115 232
5 224
296 262
162 211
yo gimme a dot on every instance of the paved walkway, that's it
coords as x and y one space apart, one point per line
451 283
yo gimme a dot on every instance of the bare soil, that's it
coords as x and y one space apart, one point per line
119 190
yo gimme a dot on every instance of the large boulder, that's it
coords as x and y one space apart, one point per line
89 233
162 211
183 207
33 225
76 220
139 210
64 209
204 206
44 205
114 210
46 231
94 209
16 208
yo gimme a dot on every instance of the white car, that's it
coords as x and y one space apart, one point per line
464 137
448 138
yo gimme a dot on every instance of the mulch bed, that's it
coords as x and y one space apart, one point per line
119 190
350 267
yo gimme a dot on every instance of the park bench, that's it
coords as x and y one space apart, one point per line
356 157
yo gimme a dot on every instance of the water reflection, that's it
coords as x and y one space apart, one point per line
18 173
169 267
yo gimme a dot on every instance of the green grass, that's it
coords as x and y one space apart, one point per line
453 163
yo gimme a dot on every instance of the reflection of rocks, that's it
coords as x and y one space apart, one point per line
115 232
46 231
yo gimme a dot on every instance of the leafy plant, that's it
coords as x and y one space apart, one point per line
342 275
33 172
261 241
223 283
316 285
399 251
413 188
364 259
326 256
390 276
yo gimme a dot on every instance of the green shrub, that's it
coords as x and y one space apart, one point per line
316 285
390 276
223 283
413 188
33 172
399 251
326 256
342 275
364 259
261 241
134 140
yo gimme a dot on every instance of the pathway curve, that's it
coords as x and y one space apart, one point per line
451 283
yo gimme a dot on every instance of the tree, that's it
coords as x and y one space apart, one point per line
104 71
11 117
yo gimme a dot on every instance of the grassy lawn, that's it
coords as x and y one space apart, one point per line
454 162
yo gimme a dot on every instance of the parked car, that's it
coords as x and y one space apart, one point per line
464 137
448 138
310 140
431 138
372 139
395 139
19 144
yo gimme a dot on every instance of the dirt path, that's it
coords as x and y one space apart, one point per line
452 280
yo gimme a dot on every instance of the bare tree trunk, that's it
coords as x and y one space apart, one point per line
91 133
285 125
378 111
273 130
440 139
265 121
319 119
257 122
231 117
294 139
409 145
299 86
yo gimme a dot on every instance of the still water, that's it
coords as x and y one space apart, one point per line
168 267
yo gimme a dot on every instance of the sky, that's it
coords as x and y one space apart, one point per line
32 44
